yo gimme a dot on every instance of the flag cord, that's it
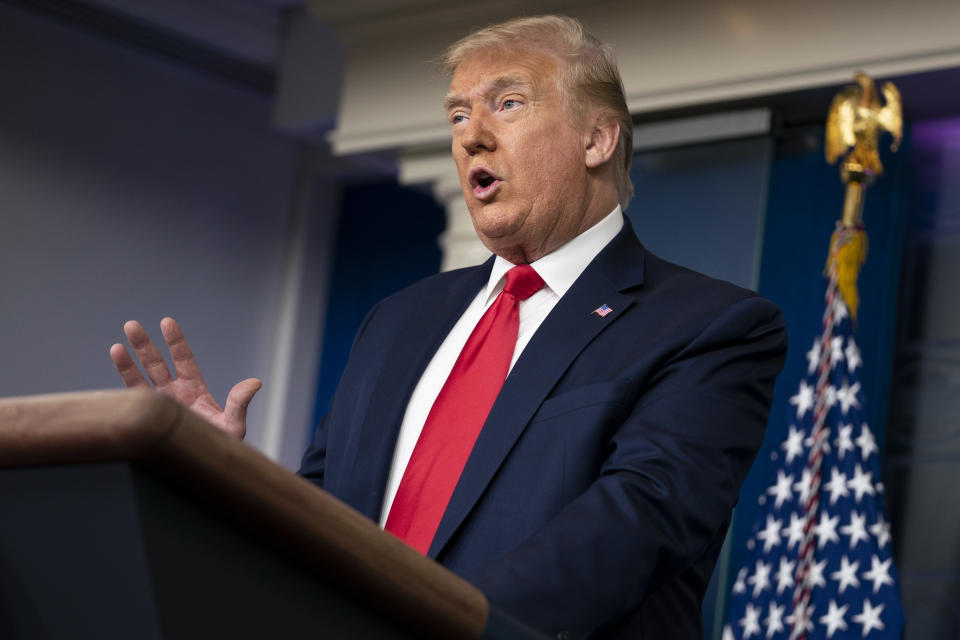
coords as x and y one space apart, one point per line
801 595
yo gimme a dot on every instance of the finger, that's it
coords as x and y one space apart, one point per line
126 367
238 400
184 364
149 355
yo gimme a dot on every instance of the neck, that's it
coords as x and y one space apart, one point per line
521 253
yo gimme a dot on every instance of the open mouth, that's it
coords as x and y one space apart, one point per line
484 182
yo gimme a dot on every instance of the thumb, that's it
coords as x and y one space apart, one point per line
238 399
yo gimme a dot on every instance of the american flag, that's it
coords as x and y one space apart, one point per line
820 563
602 310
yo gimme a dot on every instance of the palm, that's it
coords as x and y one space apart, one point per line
189 387
196 395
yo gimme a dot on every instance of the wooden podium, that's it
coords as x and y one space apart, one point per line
125 515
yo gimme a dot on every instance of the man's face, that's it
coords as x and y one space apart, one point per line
520 158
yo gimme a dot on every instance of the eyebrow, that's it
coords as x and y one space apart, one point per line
453 99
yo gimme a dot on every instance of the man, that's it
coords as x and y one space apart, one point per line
573 444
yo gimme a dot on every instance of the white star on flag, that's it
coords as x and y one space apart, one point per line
803 400
761 578
837 485
844 442
830 396
839 311
836 351
770 535
813 357
740 585
856 529
861 483
815 577
803 486
826 530
784 574
794 530
869 617
879 573
750 621
847 575
833 620
881 530
847 396
781 489
866 442
853 355
774 620
793 445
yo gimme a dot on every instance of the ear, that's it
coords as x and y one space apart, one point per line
601 141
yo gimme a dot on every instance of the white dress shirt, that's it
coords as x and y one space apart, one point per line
559 269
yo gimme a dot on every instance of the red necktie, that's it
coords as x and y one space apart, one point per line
458 414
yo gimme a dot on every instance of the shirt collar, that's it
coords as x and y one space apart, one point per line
561 267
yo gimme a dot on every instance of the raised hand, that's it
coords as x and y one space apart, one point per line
188 388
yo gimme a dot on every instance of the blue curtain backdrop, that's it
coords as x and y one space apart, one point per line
387 239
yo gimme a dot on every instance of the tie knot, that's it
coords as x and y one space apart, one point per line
523 282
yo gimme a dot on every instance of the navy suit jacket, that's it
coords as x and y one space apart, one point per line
598 494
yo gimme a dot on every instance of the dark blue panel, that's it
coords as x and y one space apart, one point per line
702 205
387 240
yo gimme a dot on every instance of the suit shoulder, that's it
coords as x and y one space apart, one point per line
668 278
704 299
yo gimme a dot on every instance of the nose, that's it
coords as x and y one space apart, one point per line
477 136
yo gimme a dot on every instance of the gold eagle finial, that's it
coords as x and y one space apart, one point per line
854 123
856 118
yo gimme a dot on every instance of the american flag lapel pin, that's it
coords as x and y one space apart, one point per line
602 310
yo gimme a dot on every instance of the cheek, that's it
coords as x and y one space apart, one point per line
557 163
458 159
461 165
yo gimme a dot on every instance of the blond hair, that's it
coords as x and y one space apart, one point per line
589 76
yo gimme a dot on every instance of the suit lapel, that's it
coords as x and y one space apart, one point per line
369 454
566 331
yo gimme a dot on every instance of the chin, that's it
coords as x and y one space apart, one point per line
506 246
495 221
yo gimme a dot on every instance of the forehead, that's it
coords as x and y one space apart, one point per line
489 70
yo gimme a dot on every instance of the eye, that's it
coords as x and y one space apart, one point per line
510 104
457 117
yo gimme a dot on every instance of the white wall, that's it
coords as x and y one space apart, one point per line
671 54
131 187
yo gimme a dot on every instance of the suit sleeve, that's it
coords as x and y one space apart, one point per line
666 489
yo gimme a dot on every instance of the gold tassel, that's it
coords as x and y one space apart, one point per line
848 251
